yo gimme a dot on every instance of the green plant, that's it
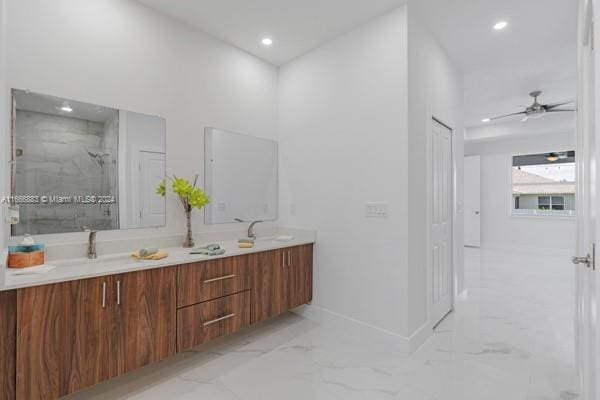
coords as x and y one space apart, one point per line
190 196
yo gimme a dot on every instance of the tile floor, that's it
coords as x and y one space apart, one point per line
510 338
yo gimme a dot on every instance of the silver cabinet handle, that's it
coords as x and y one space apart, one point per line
222 278
214 321
283 259
289 258
118 292
103 294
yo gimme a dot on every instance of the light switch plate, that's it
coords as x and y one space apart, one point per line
376 210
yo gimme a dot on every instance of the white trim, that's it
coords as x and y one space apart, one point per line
353 327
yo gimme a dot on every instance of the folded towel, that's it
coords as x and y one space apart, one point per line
147 251
208 252
210 247
246 245
38 269
156 256
246 240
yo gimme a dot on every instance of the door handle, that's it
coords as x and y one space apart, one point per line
119 293
103 294
589 260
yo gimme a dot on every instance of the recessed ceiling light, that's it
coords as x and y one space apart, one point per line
267 41
500 25
486 120
66 109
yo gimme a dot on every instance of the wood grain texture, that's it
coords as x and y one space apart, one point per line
145 318
8 344
39 342
268 276
191 328
299 276
87 357
193 287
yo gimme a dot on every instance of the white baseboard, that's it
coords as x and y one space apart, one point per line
364 331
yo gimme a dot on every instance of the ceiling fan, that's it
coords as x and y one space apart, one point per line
538 110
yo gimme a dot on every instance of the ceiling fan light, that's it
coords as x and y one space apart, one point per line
552 157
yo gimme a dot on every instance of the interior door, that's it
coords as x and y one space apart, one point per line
472 200
151 174
587 277
441 221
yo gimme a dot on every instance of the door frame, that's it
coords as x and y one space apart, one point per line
587 335
136 149
453 198
465 203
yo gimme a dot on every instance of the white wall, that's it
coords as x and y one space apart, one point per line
344 142
498 227
435 90
353 121
119 53
4 123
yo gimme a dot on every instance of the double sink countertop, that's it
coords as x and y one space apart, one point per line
117 263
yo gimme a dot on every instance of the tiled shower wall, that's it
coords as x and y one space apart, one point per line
53 159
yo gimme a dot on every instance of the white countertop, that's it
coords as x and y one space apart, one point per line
82 268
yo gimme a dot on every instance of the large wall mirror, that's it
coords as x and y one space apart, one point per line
241 177
76 164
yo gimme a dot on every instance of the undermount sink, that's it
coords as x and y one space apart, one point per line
108 260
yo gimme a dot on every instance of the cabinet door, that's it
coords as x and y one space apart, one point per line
145 317
87 327
299 276
8 342
268 284
39 342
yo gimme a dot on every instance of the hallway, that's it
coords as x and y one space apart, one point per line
510 338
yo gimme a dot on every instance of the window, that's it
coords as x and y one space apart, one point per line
551 202
544 184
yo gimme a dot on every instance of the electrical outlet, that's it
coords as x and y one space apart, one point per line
376 210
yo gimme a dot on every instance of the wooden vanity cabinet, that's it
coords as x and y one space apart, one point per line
75 334
60 338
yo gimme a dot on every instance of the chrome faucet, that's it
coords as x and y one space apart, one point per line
91 251
251 233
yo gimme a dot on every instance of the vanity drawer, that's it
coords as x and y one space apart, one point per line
203 322
208 280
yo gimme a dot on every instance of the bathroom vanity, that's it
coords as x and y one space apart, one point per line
65 331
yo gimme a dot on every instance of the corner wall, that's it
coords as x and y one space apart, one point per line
435 90
343 143
498 227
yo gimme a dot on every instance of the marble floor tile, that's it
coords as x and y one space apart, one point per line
510 337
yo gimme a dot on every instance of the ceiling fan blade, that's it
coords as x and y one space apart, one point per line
508 115
570 110
554 105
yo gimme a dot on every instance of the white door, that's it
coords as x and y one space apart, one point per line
441 221
587 157
151 174
472 198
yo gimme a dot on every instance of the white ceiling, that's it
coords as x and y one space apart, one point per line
536 51
296 26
